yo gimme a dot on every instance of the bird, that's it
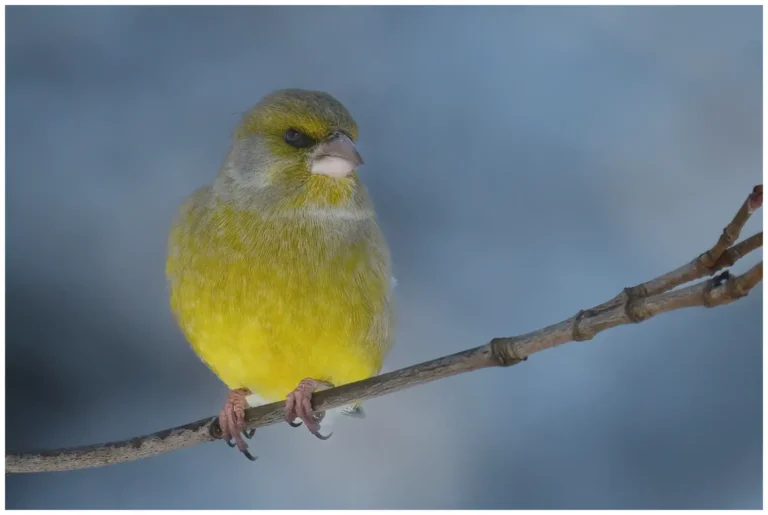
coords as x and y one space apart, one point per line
280 277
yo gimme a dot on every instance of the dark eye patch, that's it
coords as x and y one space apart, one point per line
297 139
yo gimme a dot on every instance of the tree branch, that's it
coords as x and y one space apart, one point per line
632 305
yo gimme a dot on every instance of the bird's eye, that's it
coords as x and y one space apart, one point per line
297 139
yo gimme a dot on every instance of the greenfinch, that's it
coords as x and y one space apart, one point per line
279 275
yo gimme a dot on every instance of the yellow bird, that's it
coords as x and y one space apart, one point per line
279 275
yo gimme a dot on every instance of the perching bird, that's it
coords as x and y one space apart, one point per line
279 274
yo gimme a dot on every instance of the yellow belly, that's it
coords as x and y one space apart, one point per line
266 304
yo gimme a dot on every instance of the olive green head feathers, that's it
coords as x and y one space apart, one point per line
297 146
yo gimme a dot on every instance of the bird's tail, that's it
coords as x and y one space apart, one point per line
353 410
333 415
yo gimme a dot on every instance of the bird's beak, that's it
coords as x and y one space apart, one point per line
336 157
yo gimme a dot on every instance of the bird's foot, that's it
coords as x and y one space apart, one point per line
298 404
232 421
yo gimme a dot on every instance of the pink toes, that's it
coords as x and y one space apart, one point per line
298 404
232 422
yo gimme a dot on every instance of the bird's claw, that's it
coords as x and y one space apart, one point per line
298 404
322 437
250 456
232 422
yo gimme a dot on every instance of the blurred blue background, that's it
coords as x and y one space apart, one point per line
525 163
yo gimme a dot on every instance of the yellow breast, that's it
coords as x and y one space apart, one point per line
267 301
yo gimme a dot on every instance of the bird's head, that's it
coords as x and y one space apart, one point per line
300 146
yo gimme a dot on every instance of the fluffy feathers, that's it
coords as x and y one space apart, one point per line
277 274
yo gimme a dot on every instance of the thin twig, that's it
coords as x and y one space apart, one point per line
733 230
633 305
738 251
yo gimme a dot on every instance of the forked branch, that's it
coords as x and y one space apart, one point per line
632 305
